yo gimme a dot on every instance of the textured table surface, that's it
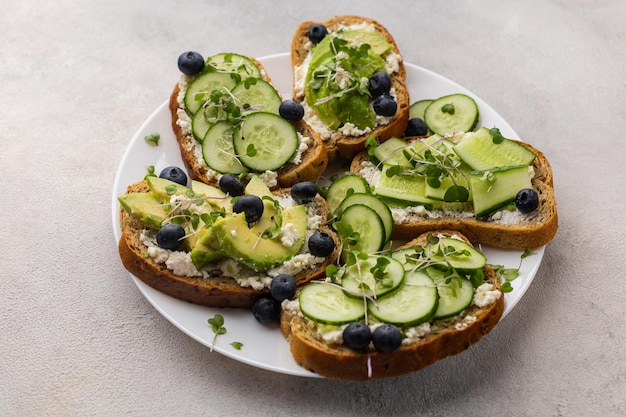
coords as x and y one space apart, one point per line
79 78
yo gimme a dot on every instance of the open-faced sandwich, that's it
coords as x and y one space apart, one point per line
350 77
388 314
229 119
223 248
494 190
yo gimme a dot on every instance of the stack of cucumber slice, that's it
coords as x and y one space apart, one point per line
359 213
234 115
409 287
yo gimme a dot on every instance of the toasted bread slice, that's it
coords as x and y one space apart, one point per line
311 165
445 338
337 143
532 231
214 290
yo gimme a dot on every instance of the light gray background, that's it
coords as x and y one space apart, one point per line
78 79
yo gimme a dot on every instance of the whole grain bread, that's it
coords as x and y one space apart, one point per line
536 231
216 291
446 338
340 145
313 162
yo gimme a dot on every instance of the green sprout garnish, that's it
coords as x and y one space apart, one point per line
152 139
217 325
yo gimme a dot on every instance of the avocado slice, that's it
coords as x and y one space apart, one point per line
348 105
144 207
271 218
242 244
163 189
206 249
214 196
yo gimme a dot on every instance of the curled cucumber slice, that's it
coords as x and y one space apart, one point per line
328 304
218 150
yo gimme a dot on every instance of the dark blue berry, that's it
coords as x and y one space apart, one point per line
357 336
174 174
291 110
190 63
283 287
231 185
321 244
379 84
266 310
170 236
304 192
527 200
416 127
385 105
316 33
251 206
387 338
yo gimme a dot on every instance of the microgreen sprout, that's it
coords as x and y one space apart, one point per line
152 139
217 325
506 275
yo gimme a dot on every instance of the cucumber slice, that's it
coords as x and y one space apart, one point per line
489 196
401 255
218 150
415 152
234 63
328 304
455 293
403 189
265 141
368 224
451 114
418 109
202 121
373 202
390 152
199 91
342 187
464 257
416 302
257 97
480 152
358 278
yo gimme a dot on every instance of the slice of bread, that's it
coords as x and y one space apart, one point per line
312 163
338 144
446 337
213 291
535 230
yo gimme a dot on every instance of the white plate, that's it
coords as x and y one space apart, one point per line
265 347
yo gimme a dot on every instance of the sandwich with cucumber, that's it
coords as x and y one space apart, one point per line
496 191
228 118
389 313
223 246
350 78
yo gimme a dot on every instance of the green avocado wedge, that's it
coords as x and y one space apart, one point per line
249 248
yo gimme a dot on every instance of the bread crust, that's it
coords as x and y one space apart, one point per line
218 291
342 146
314 159
444 340
530 234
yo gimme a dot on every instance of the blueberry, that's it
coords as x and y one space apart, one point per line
527 200
416 127
231 185
387 338
385 105
266 310
304 192
174 174
291 110
316 33
283 287
170 236
379 84
190 63
251 206
321 244
357 336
